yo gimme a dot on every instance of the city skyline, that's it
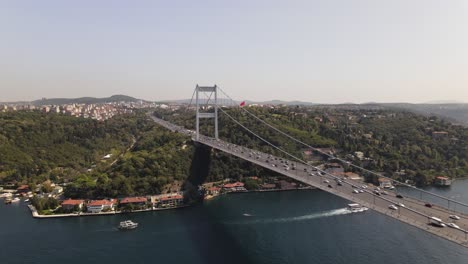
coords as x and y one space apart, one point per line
311 51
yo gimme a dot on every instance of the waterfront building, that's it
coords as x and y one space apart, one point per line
134 201
70 204
213 190
171 201
234 187
97 206
268 186
23 189
442 181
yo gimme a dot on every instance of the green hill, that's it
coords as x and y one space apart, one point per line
85 100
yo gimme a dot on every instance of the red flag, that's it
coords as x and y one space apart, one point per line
242 104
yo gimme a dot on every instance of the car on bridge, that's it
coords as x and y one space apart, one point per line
399 196
436 222
454 217
452 225
393 207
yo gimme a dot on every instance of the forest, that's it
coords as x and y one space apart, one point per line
38 147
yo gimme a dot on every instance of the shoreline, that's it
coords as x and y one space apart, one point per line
276 190
211 197
35 214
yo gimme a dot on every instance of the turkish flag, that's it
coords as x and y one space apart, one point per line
242 104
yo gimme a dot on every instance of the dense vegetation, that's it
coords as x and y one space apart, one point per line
37 147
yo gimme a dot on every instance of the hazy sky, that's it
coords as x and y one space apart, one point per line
327 51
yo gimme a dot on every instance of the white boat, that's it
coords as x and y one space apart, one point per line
27 200
15 200
127 225
357 208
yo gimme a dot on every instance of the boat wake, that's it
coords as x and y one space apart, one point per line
336 212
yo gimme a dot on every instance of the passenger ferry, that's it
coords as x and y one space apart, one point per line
127 225
357 208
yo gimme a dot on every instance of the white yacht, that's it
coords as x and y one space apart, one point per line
357 208
127 225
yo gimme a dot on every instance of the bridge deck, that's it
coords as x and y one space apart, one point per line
414 212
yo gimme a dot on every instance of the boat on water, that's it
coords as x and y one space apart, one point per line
27 200
127 225
357 208
15 200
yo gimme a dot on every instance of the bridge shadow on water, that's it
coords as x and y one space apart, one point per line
211 239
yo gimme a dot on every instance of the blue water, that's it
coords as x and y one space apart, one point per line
284 227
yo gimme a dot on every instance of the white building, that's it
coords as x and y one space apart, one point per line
98 206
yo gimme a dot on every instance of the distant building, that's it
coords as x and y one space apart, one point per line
23 189
213 190
285 185
439 134
385 183
98 206
70 204
442 181
134 201
268 186
57 190
234 187
359 155
173 200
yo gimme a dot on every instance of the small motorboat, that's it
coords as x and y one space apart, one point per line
128 225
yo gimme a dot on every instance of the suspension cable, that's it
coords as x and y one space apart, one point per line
339 159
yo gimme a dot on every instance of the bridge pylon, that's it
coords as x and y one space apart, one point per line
210 91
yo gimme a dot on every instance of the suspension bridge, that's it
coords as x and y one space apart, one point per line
410 210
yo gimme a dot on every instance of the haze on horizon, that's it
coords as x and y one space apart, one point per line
330 51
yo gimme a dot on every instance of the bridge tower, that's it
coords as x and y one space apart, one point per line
210 91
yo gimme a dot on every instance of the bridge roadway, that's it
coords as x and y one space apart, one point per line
413 212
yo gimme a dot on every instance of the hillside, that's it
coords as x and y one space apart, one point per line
84 100
37 146
455 112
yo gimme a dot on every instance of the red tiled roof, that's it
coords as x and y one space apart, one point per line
175 197
133 200
72 202
214 188
233 185
23 187
441 178
100 203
